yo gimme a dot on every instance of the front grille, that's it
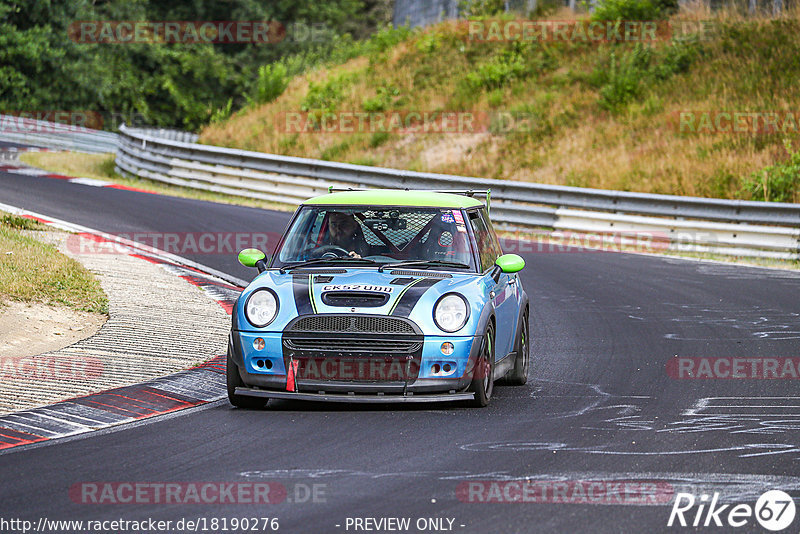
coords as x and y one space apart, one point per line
356 299
366 324
343 349
339 345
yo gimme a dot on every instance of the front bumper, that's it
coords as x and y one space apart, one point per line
350 377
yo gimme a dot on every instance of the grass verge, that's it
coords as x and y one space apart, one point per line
32 271
101 167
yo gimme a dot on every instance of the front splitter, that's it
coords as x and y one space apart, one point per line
354 399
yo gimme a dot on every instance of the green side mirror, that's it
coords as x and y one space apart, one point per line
250 257
510 263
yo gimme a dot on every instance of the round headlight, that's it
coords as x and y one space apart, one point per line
261 307
451 313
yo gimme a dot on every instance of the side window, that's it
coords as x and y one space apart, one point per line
495 242
488 247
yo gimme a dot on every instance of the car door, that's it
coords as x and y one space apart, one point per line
505 290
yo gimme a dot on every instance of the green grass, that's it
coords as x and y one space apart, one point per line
32 271
599 115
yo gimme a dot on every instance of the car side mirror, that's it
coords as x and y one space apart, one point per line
509 264
253 258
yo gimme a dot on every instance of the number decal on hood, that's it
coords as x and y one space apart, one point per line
359 287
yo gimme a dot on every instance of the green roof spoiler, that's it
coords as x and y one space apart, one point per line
472 193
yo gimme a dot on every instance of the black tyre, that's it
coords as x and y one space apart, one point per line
483 375
235 381
518 376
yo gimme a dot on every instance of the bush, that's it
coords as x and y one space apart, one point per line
779 182
378 138
482 8
221 114
626 10
625 76
272 82
496 73
386 38
666 7
384 98
325 96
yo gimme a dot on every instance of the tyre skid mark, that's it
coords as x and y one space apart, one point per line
732 487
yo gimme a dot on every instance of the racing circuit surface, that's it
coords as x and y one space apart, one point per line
599 404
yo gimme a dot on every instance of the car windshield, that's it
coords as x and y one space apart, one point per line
383 235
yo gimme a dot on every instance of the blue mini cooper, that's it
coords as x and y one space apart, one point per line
381 296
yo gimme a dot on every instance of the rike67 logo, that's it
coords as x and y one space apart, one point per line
774 511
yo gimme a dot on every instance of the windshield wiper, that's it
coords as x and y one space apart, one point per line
435 263
324 260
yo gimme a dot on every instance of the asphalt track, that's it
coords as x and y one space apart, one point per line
599 406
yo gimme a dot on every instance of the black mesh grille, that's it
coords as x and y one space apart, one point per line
353 345
352 323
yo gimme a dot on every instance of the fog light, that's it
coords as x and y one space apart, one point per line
259 344
447 348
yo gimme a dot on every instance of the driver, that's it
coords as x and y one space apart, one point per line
345 232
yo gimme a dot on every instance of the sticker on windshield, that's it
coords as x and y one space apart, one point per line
447 217
460 226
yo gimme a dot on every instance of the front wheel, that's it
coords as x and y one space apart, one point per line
234 381
483 375
519 374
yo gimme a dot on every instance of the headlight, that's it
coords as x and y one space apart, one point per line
261 307
451 312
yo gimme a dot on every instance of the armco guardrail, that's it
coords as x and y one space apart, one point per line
724 226
55 135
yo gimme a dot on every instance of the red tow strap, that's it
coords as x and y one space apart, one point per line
291 376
